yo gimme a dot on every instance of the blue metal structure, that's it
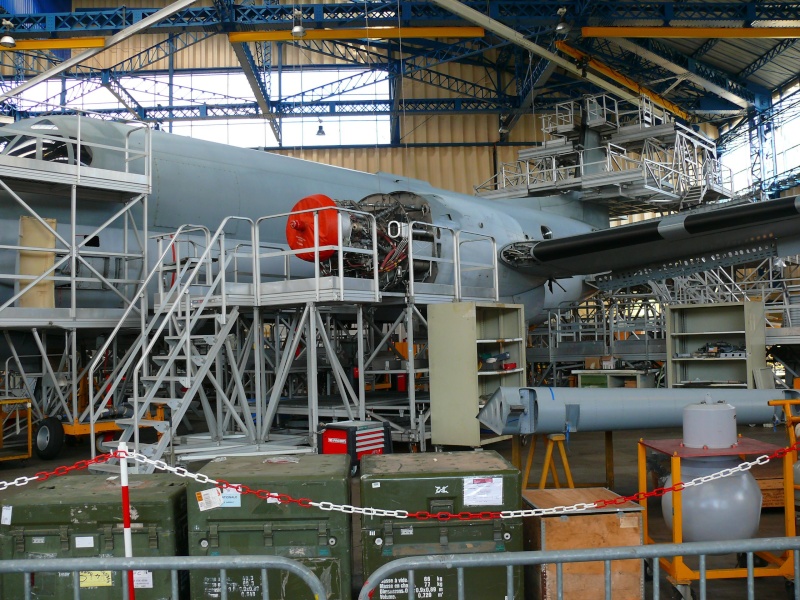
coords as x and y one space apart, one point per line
513 80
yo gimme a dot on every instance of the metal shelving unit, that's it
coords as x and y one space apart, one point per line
715 345
461 336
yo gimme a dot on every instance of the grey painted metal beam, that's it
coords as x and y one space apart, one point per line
91 52
673 61
250 70
112 84
505 32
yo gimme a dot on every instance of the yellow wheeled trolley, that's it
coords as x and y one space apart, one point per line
15 416
678 572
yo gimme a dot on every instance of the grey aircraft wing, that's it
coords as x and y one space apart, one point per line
668 246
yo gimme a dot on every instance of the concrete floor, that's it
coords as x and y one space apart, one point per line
586 457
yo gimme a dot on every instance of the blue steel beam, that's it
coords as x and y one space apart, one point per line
159 51
705 48
275 16
257 75
250 110
541 13
198 23
113 85
687 95
414 67
734 14
415 54
531 77
739 134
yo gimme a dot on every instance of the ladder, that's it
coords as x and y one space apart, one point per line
182 350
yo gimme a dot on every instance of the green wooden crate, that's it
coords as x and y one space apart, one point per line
80 516
245 524
451 482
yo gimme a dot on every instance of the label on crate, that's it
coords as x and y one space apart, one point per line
628 522
208 499
231 499
483 491
5 516
90 579
397 588
84 541
143 579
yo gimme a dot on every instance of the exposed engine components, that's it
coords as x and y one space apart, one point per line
401 219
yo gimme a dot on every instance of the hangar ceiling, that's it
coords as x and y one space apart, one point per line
720 62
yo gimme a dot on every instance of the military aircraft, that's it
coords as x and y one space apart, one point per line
545 246
539 239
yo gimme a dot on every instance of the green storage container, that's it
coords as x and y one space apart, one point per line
80 516
451 482
247 525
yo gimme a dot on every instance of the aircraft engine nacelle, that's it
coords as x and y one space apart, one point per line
318 223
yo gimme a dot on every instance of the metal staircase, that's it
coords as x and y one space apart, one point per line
184 345
793 305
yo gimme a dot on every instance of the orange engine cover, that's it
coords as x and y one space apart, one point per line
300 227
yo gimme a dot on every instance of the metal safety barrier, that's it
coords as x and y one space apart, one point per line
174 564
410 565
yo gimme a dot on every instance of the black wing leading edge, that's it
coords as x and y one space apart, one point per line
669 246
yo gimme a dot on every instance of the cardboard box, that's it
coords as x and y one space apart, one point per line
591 363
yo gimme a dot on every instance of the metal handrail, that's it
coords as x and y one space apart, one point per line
316 249
183 292
653 552
174 564
98 358
470 237
422 227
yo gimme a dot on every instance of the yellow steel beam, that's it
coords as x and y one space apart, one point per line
59 44
375 33
629 83
692 32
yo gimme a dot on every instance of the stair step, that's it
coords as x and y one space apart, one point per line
159 425
197 359
166 378
208 338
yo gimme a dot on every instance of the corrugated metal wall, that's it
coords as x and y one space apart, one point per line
457 168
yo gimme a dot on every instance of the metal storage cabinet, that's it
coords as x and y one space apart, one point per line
461 334
245 524
445 481
81 516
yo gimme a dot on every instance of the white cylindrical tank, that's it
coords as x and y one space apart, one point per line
724 509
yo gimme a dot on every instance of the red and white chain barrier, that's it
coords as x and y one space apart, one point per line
397 514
